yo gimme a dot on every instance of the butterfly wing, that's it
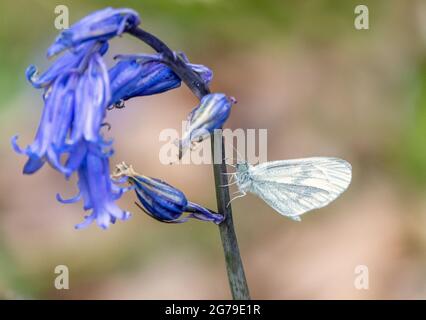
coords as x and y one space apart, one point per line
293 187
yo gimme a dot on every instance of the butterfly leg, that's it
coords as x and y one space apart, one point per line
240 196
229 184
232 175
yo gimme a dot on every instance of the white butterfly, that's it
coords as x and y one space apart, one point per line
293 187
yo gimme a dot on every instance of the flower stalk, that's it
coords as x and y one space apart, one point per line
234 265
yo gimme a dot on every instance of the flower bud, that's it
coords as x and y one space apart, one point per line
162 201
212 112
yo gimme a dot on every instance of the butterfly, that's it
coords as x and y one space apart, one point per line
293 187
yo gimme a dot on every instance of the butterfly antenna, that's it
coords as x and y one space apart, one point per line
239 155
229 164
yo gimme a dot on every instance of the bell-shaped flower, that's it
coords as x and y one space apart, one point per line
75 104
162 201
97 190
91 99
54 125
144 74
101 25
76 93
212 112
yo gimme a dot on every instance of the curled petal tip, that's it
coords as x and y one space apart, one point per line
15 146
31 74
70 200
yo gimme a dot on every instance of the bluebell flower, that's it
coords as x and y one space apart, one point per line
101 25
75 105
212 112
54 125
92 95
76 94
97 190
162 201
143 75
69 61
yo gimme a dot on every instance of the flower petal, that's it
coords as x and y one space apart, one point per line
101 25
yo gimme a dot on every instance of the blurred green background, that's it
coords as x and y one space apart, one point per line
299 69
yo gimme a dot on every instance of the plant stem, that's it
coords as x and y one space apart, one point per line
234 265
174 61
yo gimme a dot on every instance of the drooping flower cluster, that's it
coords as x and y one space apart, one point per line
76 96
77 91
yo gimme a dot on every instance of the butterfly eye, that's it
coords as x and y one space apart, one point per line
241 166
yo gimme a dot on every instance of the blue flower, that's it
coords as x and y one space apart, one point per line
101 25
143 75
54 125
75 103
69 61
92 95
212 112
163 202
98 190
76 94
